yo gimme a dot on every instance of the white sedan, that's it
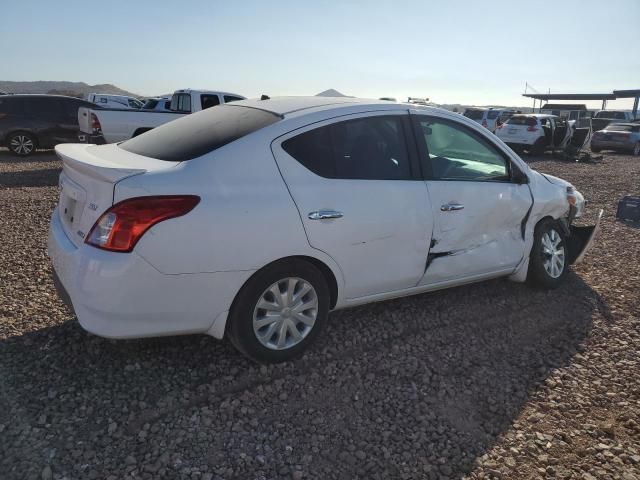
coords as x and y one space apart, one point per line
256 218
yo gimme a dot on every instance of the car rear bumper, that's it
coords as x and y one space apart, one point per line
121 295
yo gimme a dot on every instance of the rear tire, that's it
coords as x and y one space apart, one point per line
22 144
279 312
596 149
548 261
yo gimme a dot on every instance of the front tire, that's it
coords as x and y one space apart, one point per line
279 312
548 261
22 144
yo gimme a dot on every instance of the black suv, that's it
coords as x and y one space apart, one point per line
28 122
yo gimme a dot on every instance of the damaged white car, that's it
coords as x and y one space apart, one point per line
256 218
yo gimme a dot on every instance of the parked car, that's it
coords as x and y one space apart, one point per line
604 117
121 102
535 133
115 125
291 207
162 104
621 137
30 122
490 118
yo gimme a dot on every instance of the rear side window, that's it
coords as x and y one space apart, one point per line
195 135
208 101
370 148
181 102
44 107
522 120
474 114
231 98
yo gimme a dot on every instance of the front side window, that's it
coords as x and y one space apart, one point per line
208 101
371 148
454 152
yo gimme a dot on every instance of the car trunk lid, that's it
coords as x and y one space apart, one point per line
89 175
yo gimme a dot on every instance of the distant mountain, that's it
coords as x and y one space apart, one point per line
74 89
327 93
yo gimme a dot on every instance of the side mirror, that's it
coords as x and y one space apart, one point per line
518 176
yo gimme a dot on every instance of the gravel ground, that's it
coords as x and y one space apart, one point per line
493 380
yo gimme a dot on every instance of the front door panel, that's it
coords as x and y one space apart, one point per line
484 236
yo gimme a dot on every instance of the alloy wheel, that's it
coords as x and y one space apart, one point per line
553 253
21 144
285 313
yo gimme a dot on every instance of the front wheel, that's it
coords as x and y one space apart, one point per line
279 312
548 260
22 143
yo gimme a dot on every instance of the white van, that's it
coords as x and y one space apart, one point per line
114 101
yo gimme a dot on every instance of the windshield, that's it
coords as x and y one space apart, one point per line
199 133
474 114
150 105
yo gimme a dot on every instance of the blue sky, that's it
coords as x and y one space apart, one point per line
473 52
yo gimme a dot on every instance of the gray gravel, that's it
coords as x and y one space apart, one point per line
493 380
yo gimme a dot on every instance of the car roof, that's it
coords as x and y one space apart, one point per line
287 106
36 95
536 115
202 90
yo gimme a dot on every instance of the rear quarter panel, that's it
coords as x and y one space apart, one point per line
245 219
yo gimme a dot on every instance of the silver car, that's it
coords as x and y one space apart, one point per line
622 137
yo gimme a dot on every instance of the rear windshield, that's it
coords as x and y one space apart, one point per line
610 114
493 114
622 128
522 120
199 133
474 114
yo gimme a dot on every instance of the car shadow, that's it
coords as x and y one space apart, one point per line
47 177
423 384
39 156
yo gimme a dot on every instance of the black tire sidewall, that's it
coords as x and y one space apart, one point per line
23 134
240 323
537 275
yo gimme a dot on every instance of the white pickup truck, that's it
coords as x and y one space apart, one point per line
106 125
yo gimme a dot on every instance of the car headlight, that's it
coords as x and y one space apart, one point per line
576 201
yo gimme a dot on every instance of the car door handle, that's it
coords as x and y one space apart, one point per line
450 207
324 214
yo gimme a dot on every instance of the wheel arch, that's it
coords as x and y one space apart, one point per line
31 133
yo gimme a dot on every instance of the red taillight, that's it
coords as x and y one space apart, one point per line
532 129
119 228
484 123
95 124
